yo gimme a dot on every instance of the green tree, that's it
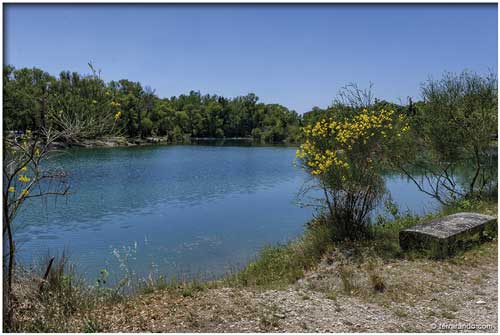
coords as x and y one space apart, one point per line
26 98
84 106
453 129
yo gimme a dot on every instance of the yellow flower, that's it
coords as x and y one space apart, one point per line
328 141
24 179
117 115
37 152
25 192
24 168
12 189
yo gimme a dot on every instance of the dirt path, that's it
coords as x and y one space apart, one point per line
418 296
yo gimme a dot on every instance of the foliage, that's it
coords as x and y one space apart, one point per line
24 177
453 130
87 107
346 154
77 105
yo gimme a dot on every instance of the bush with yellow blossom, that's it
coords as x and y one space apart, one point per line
345 155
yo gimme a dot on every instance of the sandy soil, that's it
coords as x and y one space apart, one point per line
339 296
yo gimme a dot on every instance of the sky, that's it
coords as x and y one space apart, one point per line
295 55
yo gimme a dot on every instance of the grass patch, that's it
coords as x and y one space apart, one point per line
332 295
91 325
47 303
278 266
347 276
189 289
385 232
400 313
448 315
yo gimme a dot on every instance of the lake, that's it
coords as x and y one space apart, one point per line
190 210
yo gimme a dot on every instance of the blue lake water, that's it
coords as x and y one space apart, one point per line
175 210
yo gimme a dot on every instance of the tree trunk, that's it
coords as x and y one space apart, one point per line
9 295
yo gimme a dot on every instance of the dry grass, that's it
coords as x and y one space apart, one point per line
368 286
48 305
404 280
319 302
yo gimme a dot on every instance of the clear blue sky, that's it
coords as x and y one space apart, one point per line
296 55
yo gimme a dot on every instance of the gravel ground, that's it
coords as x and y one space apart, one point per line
412 296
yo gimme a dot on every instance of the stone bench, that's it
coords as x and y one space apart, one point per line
444 236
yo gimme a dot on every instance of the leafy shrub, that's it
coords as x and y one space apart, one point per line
346 154
453 131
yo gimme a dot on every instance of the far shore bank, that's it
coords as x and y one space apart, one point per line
122 141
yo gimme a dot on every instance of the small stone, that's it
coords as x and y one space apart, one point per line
480 302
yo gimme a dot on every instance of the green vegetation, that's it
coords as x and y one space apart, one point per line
347 147
344 148
84 106
279 266
453 130
45 300
346 155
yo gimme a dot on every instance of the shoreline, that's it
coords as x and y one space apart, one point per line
308 285
122 141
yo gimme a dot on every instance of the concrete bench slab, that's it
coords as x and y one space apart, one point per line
444 236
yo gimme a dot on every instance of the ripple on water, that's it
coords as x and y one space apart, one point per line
189 209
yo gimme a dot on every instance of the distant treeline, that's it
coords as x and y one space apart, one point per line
87 107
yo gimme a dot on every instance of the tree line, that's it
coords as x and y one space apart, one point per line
88 107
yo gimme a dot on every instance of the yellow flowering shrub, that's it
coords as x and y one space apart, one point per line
336 144
345 154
